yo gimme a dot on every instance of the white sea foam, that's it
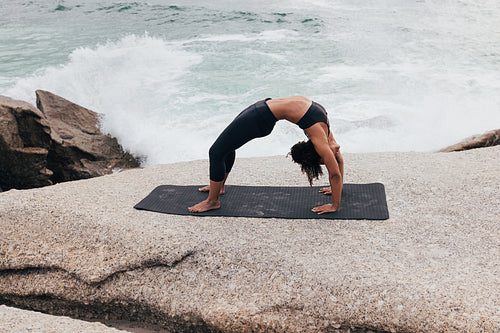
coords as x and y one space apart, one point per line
136 84
389 81
267 36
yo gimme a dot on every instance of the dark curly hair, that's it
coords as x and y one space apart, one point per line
303 153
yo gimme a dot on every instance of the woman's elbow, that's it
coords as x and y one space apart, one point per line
335 175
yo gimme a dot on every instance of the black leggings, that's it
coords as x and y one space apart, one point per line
255 121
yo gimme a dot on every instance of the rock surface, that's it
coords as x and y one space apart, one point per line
59 141
488 139
80 249
24 145
16 320
78 149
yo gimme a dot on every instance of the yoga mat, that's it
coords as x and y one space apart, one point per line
359 202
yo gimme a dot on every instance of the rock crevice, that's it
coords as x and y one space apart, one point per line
97 279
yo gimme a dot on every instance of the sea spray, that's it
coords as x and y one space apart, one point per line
392 75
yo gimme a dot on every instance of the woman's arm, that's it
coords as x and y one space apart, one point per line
336 182
340 161
331 161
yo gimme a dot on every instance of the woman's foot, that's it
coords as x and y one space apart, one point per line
204 206
207 189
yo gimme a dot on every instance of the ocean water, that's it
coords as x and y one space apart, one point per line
167 77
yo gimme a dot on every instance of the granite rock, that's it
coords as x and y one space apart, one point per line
80 249
56 142
17 320
488 139
78 148
24 145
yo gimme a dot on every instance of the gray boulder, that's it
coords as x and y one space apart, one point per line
488 139
81 249
56 142
17 320
24 145
78 148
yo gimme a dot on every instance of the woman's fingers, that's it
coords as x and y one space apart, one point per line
325 190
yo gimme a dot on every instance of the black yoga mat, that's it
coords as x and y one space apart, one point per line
359 202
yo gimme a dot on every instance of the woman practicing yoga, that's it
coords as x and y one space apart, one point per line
257 121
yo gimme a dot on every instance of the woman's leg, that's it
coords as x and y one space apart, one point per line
245 127
229 162
220 166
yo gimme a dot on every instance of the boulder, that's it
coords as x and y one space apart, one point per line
78 148
56 142
81 249
17 320
488 139
24 145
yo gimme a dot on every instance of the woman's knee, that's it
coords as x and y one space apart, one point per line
215 152
217 164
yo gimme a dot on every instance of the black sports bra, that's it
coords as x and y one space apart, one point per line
315 114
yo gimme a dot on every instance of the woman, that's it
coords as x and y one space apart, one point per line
257 121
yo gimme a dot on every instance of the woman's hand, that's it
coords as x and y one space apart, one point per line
326 190
328 208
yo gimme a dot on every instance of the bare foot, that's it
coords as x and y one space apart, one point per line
207 189
204 206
